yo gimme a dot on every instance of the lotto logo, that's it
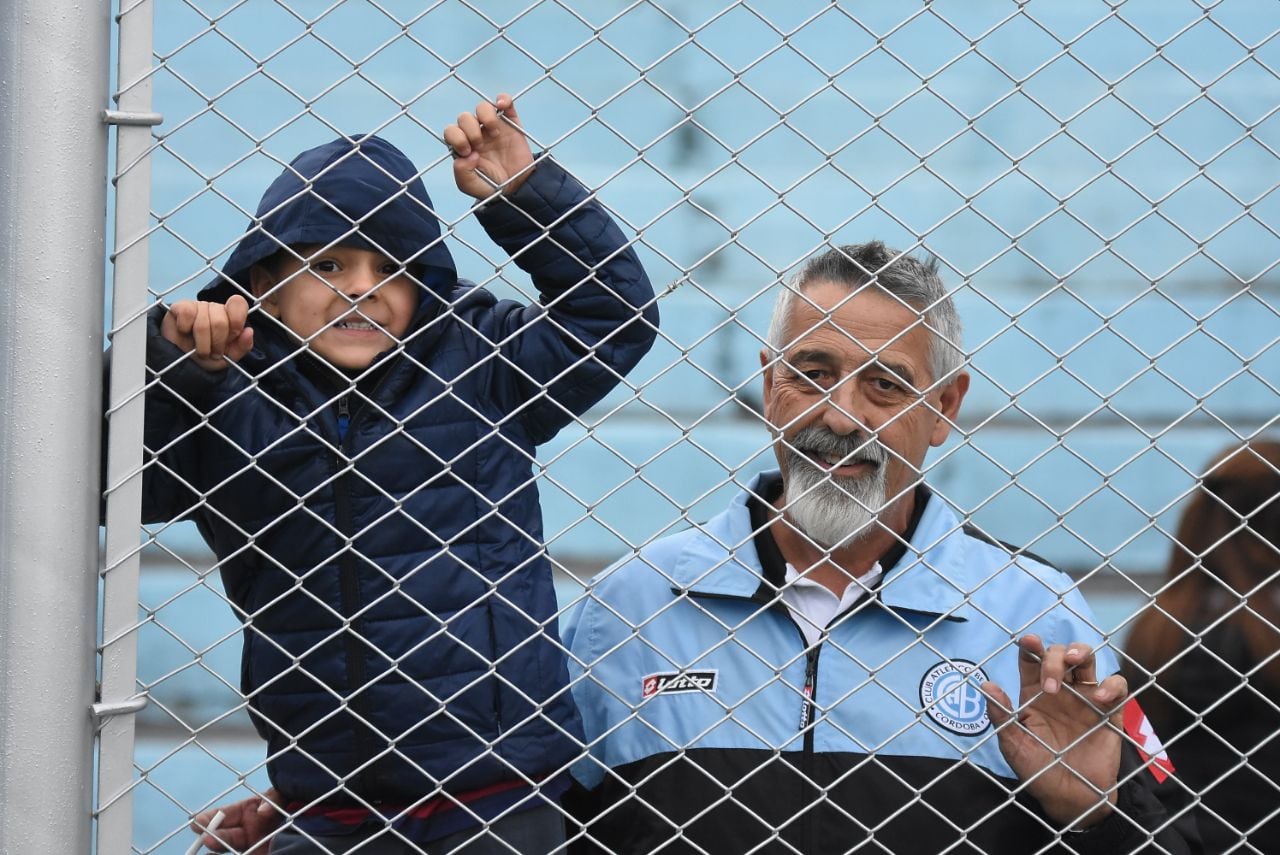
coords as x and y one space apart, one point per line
678 681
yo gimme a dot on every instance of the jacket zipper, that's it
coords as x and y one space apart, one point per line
493 645
807 726
810 664
810 685
348 577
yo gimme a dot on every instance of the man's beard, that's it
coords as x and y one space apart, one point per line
832 510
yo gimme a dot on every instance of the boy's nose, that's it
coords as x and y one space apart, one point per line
361 282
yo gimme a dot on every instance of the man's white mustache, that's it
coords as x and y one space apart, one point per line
851 448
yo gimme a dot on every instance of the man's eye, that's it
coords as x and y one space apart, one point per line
817 376
885 385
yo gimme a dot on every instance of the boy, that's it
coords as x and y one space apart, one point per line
358 452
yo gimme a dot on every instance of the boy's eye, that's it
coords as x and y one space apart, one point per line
324 265
390 269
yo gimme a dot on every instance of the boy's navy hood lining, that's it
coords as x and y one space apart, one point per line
362 192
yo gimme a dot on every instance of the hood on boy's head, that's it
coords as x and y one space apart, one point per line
363 192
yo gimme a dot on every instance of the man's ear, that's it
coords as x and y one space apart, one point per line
262 283
949 400
766 371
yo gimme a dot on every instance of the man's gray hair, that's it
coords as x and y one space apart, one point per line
911 280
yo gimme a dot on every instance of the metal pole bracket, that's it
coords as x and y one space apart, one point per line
124 117
108 709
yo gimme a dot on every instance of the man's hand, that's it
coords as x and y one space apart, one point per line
489 144
1062 711
216 332
245 824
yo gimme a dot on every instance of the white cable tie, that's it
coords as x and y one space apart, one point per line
218 817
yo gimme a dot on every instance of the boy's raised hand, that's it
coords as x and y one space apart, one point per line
212 330
489 143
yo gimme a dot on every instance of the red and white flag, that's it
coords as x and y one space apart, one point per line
1150 749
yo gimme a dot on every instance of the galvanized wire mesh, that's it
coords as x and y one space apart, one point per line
1097 182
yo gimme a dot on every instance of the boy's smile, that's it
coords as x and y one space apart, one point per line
348 304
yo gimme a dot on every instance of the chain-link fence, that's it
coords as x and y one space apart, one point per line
346 567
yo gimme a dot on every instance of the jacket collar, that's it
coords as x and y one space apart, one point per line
723 560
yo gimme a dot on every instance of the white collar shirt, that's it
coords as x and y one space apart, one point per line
814 605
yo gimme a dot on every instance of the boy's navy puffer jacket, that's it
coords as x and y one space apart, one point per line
399 609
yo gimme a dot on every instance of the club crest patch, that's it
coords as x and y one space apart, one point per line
673 682
950 696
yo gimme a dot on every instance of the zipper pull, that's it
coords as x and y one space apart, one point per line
344 416
810 677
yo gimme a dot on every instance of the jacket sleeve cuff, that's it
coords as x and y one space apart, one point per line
545 197
179 376
1118 832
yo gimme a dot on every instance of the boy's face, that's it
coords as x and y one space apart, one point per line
349 305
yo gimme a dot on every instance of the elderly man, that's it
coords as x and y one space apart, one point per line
819 668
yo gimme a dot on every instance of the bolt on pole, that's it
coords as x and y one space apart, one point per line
53 147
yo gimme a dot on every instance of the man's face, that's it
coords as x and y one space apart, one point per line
853 426
350 305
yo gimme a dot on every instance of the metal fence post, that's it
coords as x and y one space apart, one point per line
121 559
53 146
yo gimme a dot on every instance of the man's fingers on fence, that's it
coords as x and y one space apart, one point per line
1053 668
1015 741
1109 695
1046 669
999 707
1082 665
1030 656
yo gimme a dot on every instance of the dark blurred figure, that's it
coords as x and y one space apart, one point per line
1211 647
